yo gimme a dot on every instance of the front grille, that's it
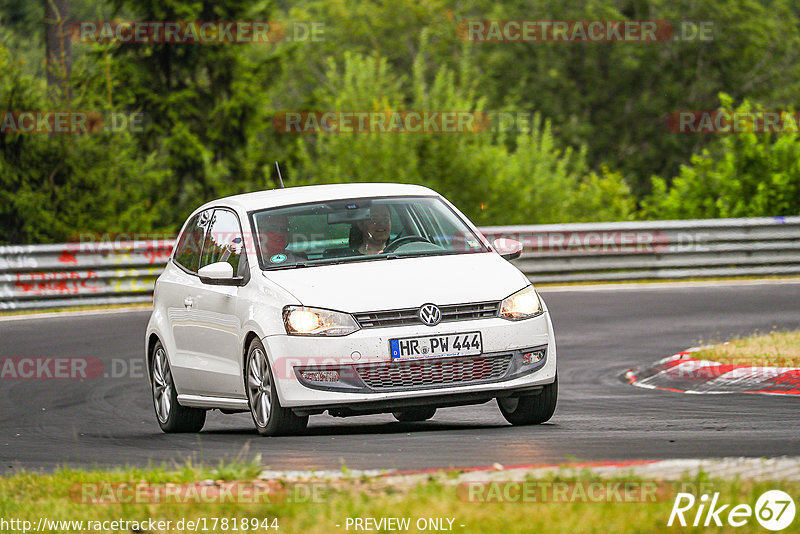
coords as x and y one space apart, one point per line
445 371
408 316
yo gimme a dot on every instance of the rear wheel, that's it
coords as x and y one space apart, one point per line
270 418
172 417
412 415
530 409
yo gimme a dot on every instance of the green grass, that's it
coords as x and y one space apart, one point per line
775 349
29 496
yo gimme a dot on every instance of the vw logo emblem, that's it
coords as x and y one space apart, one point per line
429 314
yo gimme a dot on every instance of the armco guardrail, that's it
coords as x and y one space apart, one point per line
657 249
46 276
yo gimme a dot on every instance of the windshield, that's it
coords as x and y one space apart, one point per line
360 229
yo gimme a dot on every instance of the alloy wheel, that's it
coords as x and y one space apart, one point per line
162 385
259 386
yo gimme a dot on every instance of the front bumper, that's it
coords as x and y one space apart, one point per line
369 348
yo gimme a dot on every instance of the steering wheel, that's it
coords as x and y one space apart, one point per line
394 245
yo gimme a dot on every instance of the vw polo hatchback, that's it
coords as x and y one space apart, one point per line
352 299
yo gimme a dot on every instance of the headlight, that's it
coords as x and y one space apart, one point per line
523 304
303 321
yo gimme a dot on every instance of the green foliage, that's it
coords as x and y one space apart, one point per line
527 179
603 197
206 102
597 134
742 175
54 187
614 97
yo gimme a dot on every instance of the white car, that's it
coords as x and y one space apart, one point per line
352 299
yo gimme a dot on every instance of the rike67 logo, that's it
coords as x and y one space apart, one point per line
774 510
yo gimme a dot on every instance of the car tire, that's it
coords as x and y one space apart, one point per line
530 409
270 418
171 416
413 415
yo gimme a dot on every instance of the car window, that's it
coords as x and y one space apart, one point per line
360 229
190 243
223 241
312 232
442 229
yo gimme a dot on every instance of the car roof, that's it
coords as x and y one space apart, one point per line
315 193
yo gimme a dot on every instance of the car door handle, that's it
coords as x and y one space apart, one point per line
188 302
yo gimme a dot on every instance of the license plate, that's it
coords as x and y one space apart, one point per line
439 346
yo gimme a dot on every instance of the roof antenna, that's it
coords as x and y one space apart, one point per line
280 178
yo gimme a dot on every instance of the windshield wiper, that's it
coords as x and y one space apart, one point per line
288 266
338 261
356 259
427 254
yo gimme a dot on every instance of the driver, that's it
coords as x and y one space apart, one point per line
375 231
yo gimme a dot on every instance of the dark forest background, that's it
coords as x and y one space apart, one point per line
596 145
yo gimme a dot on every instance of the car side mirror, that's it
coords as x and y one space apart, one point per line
219 274
509 249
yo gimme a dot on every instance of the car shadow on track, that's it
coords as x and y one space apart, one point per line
345 429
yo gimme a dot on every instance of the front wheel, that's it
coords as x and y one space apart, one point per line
172 417
530 409
270 417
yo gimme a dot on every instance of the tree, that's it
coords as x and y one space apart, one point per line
615 97
527 180
739 175
58 47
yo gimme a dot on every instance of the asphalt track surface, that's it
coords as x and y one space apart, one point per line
600 333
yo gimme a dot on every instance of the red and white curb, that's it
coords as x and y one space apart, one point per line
682 373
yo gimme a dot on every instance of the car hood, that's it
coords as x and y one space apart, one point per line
402 282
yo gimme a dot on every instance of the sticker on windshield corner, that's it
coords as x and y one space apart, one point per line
278 258
473 243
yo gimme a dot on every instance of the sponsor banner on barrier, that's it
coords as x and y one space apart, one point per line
66 283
